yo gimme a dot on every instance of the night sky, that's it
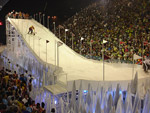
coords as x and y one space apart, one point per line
63 9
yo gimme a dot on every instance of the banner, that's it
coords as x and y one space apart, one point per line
104 41
136 57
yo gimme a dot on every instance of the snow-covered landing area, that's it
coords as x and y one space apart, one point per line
76 66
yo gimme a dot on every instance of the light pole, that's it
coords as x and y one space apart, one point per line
142 49
65 34
133 66
58 45
34 17
103 62
81 44
55 55
48 21
133 58
104 41
91 42
59 31
119 48
40 17
43 19
39 46
72 39
46 49
54 28
60 27
72 42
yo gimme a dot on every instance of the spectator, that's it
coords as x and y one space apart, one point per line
42 107
116 22
25 99
30 85
14 96
53 110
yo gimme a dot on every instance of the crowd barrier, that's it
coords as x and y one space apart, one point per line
110 60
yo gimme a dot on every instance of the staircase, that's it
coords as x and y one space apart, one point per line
60 86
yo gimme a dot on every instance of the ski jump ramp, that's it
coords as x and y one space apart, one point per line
74 67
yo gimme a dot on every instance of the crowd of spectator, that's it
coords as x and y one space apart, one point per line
18 15
124 24
15 93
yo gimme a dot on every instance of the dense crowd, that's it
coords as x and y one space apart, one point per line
15 93
124 24
18 15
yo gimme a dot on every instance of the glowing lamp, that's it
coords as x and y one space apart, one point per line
120 92
85 91
1 23
55 101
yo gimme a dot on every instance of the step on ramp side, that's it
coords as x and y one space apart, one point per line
55 89
60 86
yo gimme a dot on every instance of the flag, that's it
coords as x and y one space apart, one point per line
47 41
105 41
82 38
59 43
105 25
122 42
136 57
60 26
66 30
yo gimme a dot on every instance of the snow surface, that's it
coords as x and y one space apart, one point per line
76 66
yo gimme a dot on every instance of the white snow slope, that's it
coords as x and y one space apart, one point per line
76 66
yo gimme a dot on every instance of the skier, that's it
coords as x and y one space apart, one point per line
31 30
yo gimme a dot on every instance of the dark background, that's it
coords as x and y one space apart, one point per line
63 9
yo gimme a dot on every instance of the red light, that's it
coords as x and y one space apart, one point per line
1 23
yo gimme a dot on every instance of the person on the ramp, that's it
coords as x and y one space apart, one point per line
31 30
146 64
